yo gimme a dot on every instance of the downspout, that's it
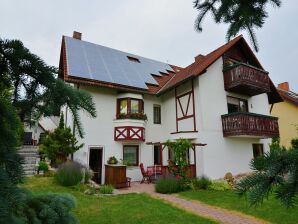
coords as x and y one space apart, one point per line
271 108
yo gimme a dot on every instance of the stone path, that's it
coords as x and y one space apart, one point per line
215 213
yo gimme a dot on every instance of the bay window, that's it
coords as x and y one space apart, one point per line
129 106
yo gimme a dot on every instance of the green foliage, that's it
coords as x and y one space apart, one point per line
276 171
69 174
88 174
112 160
43 166
218 185
201 183
179 165
239 14
22 70
106 189
168 186
49 173
43 94
59 143
49 208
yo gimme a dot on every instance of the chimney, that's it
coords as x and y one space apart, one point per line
199 57
77 35
284 86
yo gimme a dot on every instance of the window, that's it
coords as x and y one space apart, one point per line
133 59
131 154
156 114
237 105
129 106
257 150
171 154
123 106
135 106
157 154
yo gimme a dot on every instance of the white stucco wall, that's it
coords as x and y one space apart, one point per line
219 156
222 155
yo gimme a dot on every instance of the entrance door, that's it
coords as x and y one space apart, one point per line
95 163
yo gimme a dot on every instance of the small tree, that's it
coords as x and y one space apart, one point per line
276 171
60 143
179 164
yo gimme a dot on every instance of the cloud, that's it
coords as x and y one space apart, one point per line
158 29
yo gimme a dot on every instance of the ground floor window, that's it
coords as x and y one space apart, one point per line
258 150
131 154
157 154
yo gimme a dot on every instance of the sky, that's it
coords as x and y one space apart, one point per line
158 29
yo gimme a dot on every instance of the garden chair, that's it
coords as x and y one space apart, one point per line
146 174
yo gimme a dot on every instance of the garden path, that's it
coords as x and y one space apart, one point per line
215 213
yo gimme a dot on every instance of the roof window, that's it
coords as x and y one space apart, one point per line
133 59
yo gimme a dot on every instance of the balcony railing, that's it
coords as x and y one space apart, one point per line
246 79
249 124
128 133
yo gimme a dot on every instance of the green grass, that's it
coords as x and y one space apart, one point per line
271 210
130 209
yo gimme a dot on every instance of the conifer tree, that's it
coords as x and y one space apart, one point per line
28 90
241 15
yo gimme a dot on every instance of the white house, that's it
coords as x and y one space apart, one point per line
221 100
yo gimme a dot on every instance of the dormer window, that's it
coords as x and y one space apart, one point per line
133 59
130 108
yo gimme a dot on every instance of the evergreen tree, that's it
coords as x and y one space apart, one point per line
29 90
239 14
60 143
276 171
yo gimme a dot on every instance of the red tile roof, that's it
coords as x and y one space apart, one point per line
288 96
200 65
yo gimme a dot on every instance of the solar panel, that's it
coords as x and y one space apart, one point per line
91 61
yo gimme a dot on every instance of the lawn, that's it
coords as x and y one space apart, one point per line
271 210
130 209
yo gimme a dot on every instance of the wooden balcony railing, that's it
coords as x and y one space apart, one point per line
249 124
246 79
128 133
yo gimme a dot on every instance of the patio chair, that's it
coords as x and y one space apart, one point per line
146 174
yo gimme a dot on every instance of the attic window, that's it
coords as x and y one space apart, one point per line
133 59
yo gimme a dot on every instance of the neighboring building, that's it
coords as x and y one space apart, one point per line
33 133
221 100
287 112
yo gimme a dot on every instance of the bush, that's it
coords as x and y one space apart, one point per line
49 173
106 189
201 183
168 186
219 186
43 166
49 208
88 174
69 174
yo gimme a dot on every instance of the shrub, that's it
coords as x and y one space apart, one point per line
49 208
88 174
219 186
168 186
43 166
201 183
69 174
106 189
49 173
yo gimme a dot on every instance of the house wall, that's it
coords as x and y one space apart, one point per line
288 118
219 156
222 155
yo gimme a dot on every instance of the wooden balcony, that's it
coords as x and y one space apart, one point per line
246 79
249 125
129 133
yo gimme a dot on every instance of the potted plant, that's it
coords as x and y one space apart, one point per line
112 160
